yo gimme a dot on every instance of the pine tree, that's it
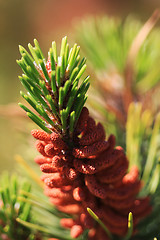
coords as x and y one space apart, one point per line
97 184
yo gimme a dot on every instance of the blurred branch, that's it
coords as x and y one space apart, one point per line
132 54
29 170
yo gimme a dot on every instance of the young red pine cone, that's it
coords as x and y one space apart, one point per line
94 173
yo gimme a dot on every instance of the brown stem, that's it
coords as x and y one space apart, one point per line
132 54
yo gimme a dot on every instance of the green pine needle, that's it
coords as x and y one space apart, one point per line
130 227
96 218
52 86
12 208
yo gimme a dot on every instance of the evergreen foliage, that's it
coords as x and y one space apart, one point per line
123 56
53 88
13 207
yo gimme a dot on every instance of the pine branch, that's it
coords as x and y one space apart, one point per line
78 163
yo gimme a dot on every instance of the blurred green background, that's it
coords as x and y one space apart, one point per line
46 20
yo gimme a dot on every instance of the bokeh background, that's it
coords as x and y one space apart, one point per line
46 20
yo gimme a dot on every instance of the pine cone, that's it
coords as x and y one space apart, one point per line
90 173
